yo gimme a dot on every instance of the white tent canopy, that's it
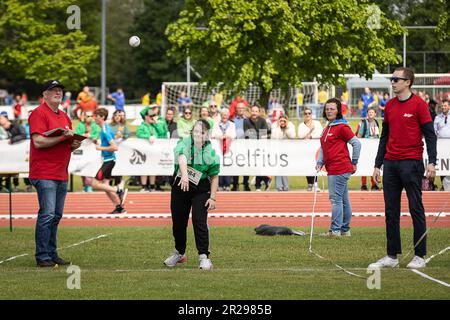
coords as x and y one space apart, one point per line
375 82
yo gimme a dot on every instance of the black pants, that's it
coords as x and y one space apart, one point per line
260 179
397 175
236 181
310 180
180 205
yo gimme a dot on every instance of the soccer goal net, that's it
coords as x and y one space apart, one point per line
291 101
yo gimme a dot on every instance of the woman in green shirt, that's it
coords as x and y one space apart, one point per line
195 184
185 123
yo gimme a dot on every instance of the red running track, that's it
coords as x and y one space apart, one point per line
227 203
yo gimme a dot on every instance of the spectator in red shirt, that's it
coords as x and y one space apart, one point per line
400 151
49 161
234 104
17 108
335 157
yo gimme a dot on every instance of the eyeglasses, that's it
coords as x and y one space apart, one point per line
188 113
396 79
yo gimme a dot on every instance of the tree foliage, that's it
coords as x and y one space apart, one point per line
422 45
444 21
151 65
34 47
276 43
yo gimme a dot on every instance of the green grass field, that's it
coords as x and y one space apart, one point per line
127 264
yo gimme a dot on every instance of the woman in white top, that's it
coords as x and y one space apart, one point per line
224 131
309 129
282 129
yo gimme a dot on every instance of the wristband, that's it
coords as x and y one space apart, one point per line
212 199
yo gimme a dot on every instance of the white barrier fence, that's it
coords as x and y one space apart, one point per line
245 157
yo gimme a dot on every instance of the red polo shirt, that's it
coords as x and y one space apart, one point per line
49 163
405 119
334 147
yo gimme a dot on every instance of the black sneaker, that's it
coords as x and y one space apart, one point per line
61 262
268 183
375 188
247 188
45 264
122 194
118 210
363 188
235 188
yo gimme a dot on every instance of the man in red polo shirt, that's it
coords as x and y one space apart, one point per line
49 162
400 152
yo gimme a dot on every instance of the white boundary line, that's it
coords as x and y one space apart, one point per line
211 215
437 254
430 278
62 248
15 257
85 241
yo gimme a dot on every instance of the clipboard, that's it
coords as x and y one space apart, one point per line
59 131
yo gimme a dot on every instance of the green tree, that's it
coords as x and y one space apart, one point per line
277 43
151 65
425 51
34 47
444 21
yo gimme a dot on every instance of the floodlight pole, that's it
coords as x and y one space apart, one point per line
404 39
103 55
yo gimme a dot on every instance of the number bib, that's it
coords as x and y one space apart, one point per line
193 175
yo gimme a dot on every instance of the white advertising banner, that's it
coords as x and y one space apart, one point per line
244 157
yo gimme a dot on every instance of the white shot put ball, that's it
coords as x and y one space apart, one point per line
134 41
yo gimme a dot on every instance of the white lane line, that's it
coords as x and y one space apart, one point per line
85 241
15 257
430 278
239 269
212 215
70 246
437 254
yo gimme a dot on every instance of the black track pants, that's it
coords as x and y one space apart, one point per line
180 205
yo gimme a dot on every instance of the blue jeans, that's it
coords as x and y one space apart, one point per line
341 210
51 197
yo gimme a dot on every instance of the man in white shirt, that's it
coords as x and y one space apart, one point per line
442 125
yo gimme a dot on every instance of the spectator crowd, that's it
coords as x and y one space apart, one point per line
238 120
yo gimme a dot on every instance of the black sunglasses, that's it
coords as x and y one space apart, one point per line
396 79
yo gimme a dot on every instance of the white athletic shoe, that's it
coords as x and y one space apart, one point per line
417 263
346 233
385 262
330 234
205 263
175 258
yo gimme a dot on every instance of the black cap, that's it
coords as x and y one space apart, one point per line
52 84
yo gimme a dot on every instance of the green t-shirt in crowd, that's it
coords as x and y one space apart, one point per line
146 130
205 160
95 130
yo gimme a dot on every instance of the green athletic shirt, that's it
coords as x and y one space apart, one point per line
206 161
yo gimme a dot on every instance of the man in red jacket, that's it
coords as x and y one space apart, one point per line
49 161
400 152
